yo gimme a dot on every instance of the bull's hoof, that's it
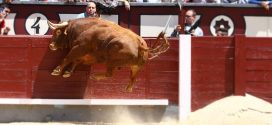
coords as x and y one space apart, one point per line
128 89
52 47
55 73
66 74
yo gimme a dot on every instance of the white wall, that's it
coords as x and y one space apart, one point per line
258 26
152 25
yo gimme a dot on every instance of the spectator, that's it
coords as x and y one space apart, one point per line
202 1
4 12
234 1
191 25
109 5
221 31
146 1
103 4
176 31
90 11
264 3
7 1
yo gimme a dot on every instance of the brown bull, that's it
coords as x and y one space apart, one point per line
94 40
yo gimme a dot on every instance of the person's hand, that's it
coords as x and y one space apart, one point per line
178 27
6 30
265 4
193 33
127 6
2 17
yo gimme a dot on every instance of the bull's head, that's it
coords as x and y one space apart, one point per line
59 37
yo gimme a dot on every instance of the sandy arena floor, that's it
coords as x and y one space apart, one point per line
233 110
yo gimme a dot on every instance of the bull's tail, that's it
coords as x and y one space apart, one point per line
160 46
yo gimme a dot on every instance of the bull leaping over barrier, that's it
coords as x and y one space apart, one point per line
95 40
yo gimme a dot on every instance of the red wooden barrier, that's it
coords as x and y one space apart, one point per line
257 67
26 64
212 69
239 89
221 66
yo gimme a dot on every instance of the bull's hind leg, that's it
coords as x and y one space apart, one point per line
100 76
134 71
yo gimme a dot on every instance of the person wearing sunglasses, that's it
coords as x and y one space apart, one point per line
191 25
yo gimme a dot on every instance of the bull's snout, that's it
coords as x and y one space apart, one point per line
52 46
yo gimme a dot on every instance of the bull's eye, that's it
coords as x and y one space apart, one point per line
58 32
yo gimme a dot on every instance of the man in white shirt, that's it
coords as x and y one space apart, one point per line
90 11
190 21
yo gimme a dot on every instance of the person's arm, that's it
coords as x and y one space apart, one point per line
265 4
259 1
6 30
2 25
197 32
173 34
255 1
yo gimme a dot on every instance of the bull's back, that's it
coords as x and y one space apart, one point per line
100 32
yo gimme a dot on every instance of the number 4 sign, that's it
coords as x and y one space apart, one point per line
36 24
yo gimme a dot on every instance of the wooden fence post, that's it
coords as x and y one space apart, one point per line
29 86
240 65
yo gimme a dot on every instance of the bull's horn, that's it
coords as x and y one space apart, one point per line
65 31
50 25
54 26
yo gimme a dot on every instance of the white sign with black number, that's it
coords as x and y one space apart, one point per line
36 24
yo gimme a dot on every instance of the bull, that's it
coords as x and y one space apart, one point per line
95 40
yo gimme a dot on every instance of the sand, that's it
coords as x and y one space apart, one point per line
233 110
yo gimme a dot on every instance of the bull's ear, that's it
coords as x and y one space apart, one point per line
58 32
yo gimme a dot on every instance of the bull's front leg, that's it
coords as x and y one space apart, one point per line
58 70
71 58
69 71
52 46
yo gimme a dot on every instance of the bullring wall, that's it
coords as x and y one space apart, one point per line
221 66
27 62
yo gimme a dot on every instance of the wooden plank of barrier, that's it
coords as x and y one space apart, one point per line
240 61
